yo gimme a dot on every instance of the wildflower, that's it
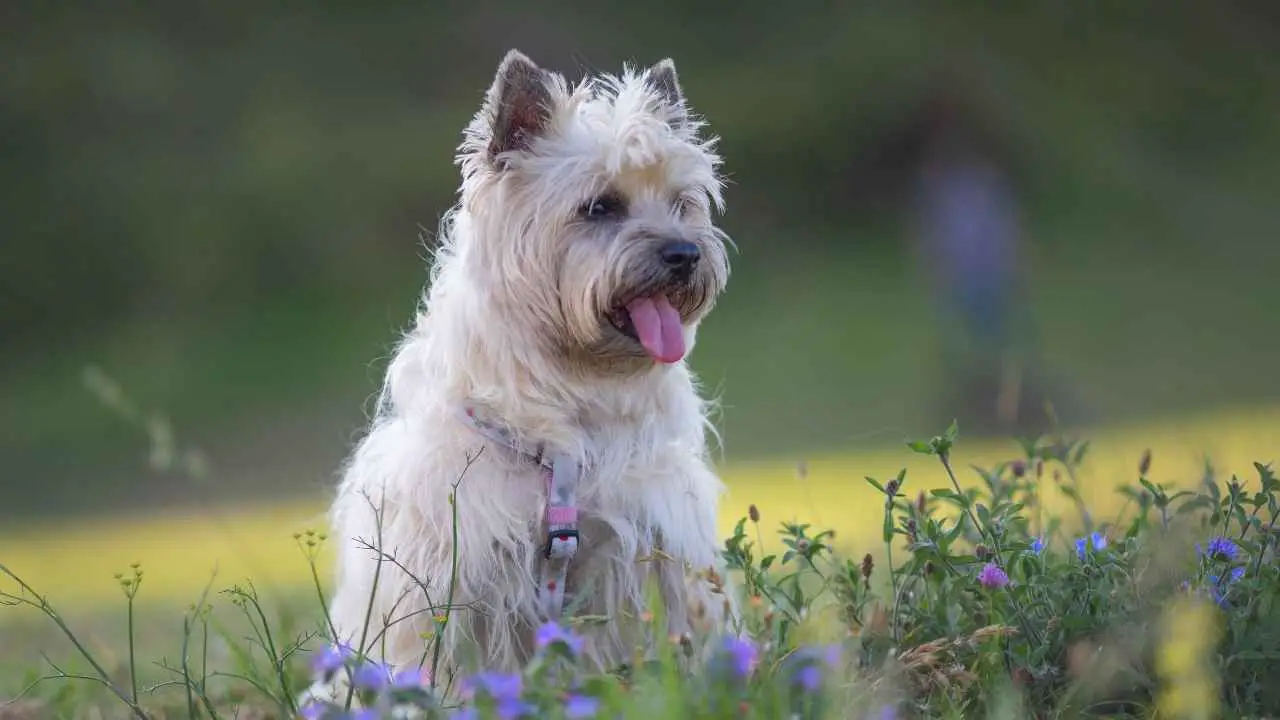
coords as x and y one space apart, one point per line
551 633
1037 545
1097 540
753 512
371 676
410 679
743 655
891 488
1220 548
581 706
1216 583
887 712
809 677
1019 468
313 710
992 577
868 564
330 659
1144 465
498 685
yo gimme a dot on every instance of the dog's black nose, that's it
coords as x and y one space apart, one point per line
680 256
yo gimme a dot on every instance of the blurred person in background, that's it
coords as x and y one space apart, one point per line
967 239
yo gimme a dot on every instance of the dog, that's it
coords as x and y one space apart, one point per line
540 446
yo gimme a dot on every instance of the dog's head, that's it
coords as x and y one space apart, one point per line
590 211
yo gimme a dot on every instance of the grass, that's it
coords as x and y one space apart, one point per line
75 561
978 605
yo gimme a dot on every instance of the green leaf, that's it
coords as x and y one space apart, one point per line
921 446
984 514
872 481
953 432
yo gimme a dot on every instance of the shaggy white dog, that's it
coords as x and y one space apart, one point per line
539 436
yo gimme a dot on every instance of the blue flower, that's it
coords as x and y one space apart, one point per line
1098 541
371 676
809 677
1220 548
550 633
581 706
740 655
1216 585
330 659
500 686
887 712
407 679
1037 545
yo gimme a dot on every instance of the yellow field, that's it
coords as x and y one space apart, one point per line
74 563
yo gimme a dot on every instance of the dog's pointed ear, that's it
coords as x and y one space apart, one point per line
519 104
663 79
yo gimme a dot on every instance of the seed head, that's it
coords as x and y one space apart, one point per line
891 487
1019 468
1144 465
753 512
868 564
921 502
981 552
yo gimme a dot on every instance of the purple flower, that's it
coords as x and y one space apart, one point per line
408 679
499 685
465 713
742 654
371 676
809 677
1037 545
1218 588
313 710
1220 548
992 577
330 659
364 714
550 633
581 706
1097 540
887 712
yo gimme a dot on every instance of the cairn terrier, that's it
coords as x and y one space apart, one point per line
539 446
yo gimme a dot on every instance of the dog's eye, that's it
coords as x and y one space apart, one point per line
683 204
603 206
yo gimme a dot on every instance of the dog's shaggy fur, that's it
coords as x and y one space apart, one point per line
572 200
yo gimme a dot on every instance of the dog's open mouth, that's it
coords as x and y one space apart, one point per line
655 324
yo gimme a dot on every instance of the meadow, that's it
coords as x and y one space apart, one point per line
263 546
74 561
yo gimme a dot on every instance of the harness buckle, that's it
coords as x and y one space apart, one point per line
562 544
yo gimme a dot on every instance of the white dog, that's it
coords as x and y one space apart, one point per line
563 301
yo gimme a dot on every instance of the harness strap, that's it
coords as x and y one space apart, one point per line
560 474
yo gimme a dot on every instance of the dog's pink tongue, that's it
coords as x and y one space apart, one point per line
658 327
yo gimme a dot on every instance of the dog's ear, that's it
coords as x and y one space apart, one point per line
519 104
663 79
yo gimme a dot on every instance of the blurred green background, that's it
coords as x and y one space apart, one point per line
229 207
